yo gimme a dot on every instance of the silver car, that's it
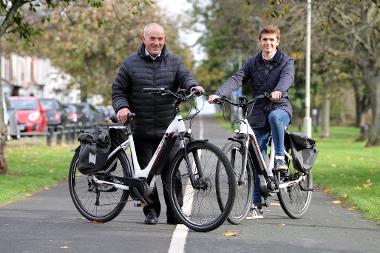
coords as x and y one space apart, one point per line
10 119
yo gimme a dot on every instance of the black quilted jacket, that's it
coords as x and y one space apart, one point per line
153 113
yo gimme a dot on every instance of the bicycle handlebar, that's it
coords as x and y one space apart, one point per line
114 119
242 101
180 95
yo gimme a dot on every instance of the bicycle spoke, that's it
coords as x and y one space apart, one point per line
200 207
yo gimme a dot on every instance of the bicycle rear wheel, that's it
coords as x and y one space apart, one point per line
244 183
99 202
295 199
197 205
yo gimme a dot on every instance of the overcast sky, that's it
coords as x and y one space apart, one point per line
182 7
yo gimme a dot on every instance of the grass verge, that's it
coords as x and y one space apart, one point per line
32 167
346 169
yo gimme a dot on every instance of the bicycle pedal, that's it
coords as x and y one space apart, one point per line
139 205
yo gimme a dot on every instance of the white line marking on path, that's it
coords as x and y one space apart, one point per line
178 242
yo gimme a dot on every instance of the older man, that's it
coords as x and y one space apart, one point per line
151 66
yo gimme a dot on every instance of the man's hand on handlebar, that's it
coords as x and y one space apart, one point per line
122 115
212 99
276 95
198 89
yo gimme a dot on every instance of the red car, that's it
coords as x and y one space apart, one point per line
31 115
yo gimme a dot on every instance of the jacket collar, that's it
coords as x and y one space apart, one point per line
141 53
276 58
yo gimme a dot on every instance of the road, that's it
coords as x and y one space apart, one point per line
48 222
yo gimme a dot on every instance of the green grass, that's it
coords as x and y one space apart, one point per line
32 167
346 169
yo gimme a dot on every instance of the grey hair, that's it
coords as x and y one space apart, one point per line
146 28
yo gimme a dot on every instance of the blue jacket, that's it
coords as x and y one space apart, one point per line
275 75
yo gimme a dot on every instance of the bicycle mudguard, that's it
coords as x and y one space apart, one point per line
195 141
185 147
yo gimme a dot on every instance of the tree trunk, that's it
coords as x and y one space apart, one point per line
374 133
3 138
3 129
355 86
325 114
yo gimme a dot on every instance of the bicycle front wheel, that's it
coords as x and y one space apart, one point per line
95 201
244 183
295 199
192 190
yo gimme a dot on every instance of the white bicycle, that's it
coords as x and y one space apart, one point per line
101 196
293 187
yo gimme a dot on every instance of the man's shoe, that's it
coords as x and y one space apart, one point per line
173 221
280 165
151 219
255 213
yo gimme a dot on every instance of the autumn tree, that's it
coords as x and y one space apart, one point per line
23 18
15 19
91 44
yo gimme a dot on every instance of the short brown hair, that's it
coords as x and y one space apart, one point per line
270 29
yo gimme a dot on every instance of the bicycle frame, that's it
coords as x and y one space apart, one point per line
265 166
246 130
258 160
176 128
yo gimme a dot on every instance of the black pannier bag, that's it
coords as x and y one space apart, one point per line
304 151
95 145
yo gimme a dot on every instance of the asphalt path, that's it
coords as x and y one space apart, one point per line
48 222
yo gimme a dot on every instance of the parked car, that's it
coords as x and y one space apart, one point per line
74 114
55 112
10 119
30 114
91 115
107 111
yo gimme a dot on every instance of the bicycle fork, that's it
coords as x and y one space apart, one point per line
195 168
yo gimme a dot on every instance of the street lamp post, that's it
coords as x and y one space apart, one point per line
307 119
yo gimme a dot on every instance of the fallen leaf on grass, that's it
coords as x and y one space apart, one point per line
368 184
230 233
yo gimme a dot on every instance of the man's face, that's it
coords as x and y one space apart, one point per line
154 40
269 43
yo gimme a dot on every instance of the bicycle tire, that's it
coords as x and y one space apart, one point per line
198 208
295 199
244 187
111 200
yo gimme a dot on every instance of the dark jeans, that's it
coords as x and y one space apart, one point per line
145 149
